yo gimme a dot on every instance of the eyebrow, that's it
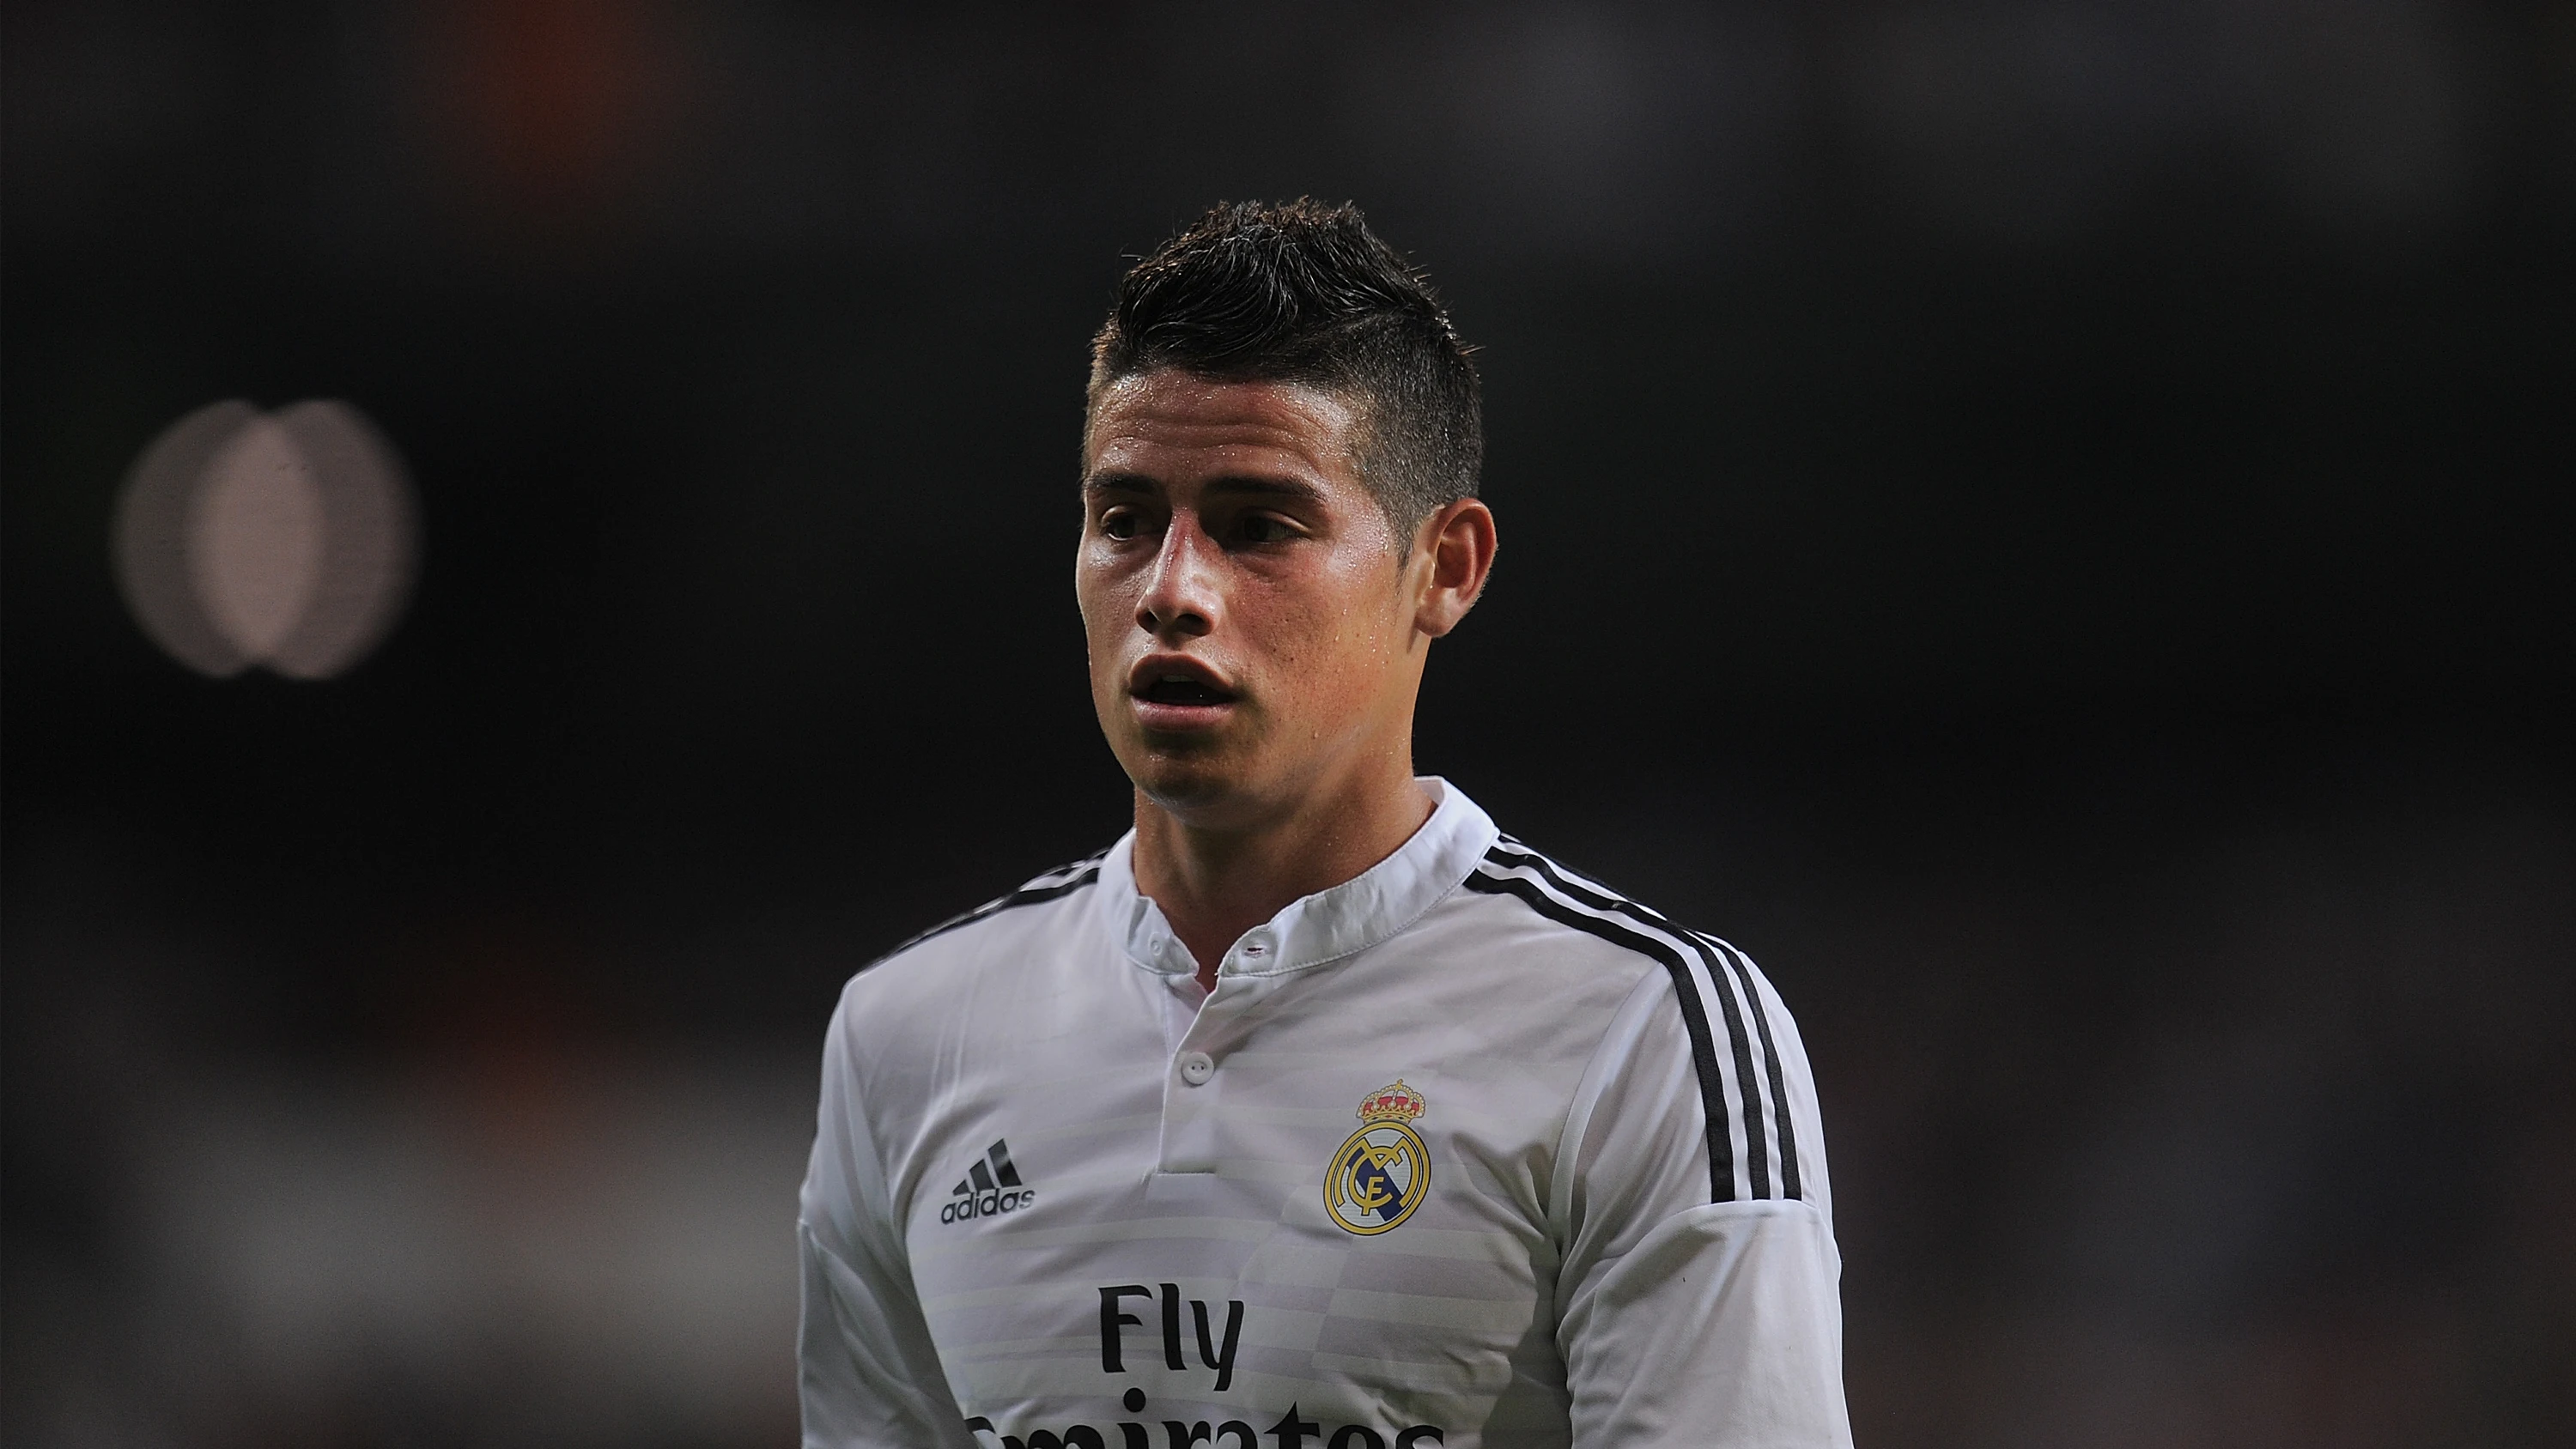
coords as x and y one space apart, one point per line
1287 488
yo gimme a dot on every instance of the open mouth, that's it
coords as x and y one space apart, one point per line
1183 689
1175 691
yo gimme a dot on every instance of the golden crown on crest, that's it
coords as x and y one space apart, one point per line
1394 1102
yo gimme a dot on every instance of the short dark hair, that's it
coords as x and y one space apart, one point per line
1306 293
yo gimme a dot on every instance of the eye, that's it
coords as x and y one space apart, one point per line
1263 528
1119 523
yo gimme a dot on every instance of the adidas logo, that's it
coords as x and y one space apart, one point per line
988 1191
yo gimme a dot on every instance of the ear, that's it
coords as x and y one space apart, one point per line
1453 553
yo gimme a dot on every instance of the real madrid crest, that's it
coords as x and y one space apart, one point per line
1382 1173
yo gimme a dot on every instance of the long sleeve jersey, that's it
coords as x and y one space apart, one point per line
1466 1151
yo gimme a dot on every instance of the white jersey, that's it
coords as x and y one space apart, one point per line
1466 1151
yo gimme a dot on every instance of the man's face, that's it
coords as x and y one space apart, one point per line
1252 636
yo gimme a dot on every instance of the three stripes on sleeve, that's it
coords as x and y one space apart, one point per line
1705 972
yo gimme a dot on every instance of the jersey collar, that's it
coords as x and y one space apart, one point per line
1328 925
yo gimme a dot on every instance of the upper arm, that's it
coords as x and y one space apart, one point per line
868 1371
1699 1298
1721 1326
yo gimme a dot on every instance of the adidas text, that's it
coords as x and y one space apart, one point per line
988 1204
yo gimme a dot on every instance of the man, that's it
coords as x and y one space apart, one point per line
1315 1111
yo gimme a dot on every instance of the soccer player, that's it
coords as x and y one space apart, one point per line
1315 1111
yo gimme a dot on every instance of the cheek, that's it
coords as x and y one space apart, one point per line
1100 639
1097 595
1335 645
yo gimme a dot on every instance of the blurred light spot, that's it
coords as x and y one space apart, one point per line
151 543
284 539
256 527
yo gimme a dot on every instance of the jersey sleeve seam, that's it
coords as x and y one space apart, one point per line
1739 1210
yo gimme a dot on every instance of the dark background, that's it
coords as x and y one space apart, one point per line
2048 524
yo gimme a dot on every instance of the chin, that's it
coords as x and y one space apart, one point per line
1201 787
1186 787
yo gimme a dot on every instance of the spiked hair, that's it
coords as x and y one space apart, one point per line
1305 293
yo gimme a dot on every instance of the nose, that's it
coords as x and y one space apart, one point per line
1181 598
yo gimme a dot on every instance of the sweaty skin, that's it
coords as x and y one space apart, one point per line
1254 658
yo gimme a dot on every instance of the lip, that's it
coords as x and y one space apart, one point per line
1161 715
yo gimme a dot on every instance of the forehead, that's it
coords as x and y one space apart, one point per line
1174 428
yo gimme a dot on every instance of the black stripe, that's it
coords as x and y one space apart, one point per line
1721 1154
1789 1184
1757 1158
1087 871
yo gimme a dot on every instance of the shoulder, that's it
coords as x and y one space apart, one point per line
930 963
1555 904
1745 1061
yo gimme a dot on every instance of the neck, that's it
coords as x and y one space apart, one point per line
1215 884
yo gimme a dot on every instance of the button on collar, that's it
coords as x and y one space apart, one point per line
1329 925
1197 1067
